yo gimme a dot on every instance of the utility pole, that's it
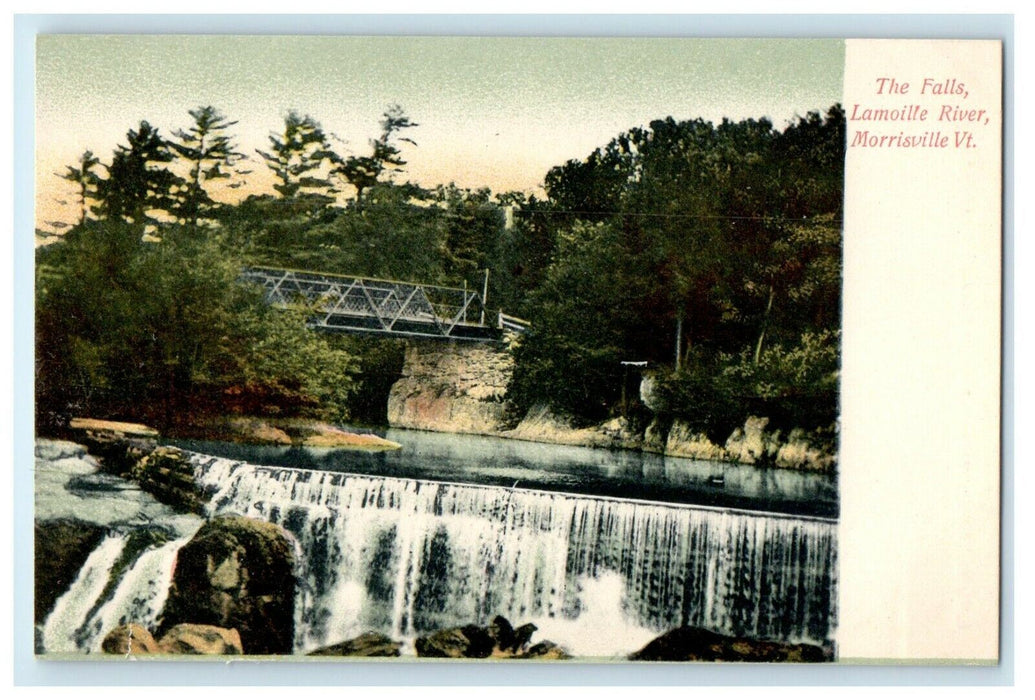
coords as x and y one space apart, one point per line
485 295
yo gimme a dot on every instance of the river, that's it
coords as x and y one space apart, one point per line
602 550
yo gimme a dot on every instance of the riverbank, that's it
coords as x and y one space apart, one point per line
754 443
454 388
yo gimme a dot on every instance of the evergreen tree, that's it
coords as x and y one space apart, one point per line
86 181
140 187
301 158
210 154
363 172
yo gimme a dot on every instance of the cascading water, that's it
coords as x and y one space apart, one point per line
96 603
407 556
126 578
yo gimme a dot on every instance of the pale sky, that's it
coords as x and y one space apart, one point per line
496 112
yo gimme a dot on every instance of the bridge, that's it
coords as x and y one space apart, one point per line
347 304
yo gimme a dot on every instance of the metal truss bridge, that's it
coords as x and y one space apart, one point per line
348 304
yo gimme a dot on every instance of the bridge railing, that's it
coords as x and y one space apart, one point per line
363 304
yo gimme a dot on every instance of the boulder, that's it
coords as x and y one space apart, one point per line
467 642
200 639
684 441
168 475
695 644
130 639
367 644
237 573
61 549
499 640
545 651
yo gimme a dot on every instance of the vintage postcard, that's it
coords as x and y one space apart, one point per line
582 349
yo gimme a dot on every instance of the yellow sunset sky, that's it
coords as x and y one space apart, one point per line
495 112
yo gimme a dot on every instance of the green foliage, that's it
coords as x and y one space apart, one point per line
84 177
301 158
795 386
722 240
163 331
364 172
140 188
209 152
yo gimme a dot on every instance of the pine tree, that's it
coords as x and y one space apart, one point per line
85 179
301 159
139 185
363 172
209 151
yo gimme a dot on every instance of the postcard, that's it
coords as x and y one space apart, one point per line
513 348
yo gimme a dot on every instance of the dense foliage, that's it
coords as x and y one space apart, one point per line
711 251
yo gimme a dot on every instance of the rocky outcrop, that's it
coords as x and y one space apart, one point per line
61 549
130 639
237 573
190 639
281 431
695 644
683 441
543 425
369 644
499 641
201 639
452 387
168 475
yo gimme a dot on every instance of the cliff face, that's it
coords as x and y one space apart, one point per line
452 387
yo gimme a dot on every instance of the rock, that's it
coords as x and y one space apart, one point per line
130 639
809 451
546 650
502 633
237 573
752 444
61 549
655 436
368 644
168 475
467 642
324 435
695 644
200 639
266 434
452 387
522 635
110 426
499 641
683 441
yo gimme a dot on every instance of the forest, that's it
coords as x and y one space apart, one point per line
711 251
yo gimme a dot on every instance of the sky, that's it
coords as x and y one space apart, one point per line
494 112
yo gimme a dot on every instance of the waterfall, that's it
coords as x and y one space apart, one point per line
60 627
102 598
407 556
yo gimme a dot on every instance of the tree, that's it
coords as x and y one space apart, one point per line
210 155
301 158
85 179
363 172
139 185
